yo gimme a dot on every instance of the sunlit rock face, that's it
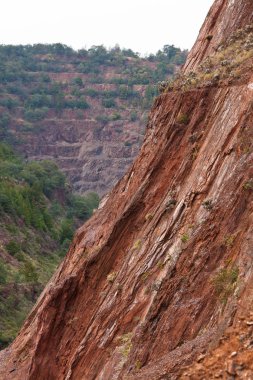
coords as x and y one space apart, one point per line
165 265
223 19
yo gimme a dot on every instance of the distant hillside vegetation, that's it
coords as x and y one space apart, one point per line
38 216
84 109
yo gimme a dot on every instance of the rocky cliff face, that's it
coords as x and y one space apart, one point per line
223 19
165 265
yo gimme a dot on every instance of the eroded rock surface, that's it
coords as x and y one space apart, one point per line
152 281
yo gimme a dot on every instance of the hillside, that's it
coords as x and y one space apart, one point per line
85 109
157 284
39 214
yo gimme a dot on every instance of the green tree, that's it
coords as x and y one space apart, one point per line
66 230
3 273
29 272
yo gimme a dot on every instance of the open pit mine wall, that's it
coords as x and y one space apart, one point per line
135 296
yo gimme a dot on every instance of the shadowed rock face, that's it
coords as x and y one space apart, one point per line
156 275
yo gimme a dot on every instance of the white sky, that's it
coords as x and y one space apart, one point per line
142 25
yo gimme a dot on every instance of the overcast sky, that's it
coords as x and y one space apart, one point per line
142 25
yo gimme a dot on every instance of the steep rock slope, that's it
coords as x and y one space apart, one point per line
222 20
154 278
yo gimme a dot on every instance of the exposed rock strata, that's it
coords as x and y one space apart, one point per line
223 19
93 156
136 296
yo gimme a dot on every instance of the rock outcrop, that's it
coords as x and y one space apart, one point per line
165 265
224 18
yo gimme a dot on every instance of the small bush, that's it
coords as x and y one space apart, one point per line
126 341
208 205
13 247
225 281
229 240
78 81
194 153
3 273
92 92
116 116
4 341
248 185
137 245
171 203
138 365
182 118
145 276
103 119
28 271
111 277
133 116
66 230
185 238
149 216
35 114
77 103
108 103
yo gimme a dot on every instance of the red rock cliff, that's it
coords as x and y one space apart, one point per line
224 17
154 278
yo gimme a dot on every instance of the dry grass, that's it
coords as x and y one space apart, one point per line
225 281
226 63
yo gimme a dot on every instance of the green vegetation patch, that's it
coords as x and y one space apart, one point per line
225 281
39 215
30 94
